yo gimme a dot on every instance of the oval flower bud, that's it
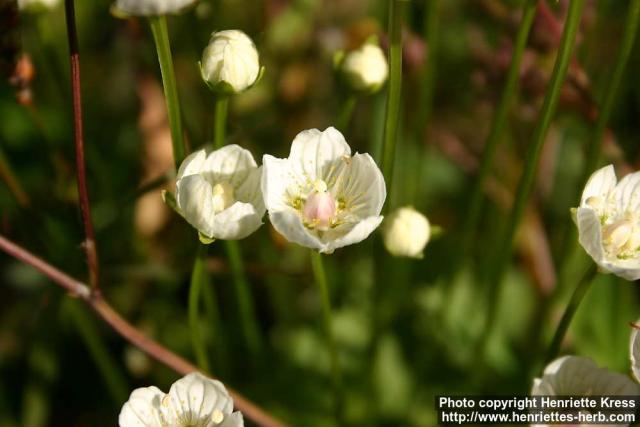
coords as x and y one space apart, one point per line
219 193
230 62
365 69
127 8
320 196
406 232
194 400
608 221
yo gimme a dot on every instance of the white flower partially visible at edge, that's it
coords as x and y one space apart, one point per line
634 352
406 232
219 193
320 196
366 69
37 5
193 401
608 222
230 62
580 376
150 7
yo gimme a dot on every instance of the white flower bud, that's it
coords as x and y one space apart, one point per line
37 5
365 69
230 62
150 7
406 232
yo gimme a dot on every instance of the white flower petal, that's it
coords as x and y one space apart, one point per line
231 164
236 222
192 164
142 409
361 182
195 199
288 223
634 353
193 399
590 233
627 193
406 232
628 269
580 376
361 231
276 178
313 152
600 183
151 7
233 420
250 190
366 68
231 57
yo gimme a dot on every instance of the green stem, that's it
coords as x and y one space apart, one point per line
431 35
395 87
347 112
198 279
161 38
245 300
12 182
626 46
212 314
581 290
497 127
100 353
222 107
321 282
535 148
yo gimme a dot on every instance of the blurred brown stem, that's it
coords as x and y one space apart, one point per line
98 304
85 209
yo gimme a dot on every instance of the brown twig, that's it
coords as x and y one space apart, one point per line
83 194
127 330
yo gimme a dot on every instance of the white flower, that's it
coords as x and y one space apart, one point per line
219 193
37 5
321 197
406 232
193 401
366 69
149 7
608 222
230 62
580 376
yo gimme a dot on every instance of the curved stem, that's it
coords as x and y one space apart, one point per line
576 298
245 300
527 180
395 87
198 279
497 126
222 107
347 112
323 289
163 47
127 330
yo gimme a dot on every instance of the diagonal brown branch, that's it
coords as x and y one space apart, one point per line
127 330
83 194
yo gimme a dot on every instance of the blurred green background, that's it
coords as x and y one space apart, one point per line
61 366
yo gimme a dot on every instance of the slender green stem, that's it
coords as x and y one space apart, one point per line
528 176
576 298
245 300
626 45
347 112
497 126
431 35
161 38
222 106
594 148
198 279
12 182
323 289
395 88
111 374
212 314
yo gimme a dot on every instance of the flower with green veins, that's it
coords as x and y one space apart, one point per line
321 196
